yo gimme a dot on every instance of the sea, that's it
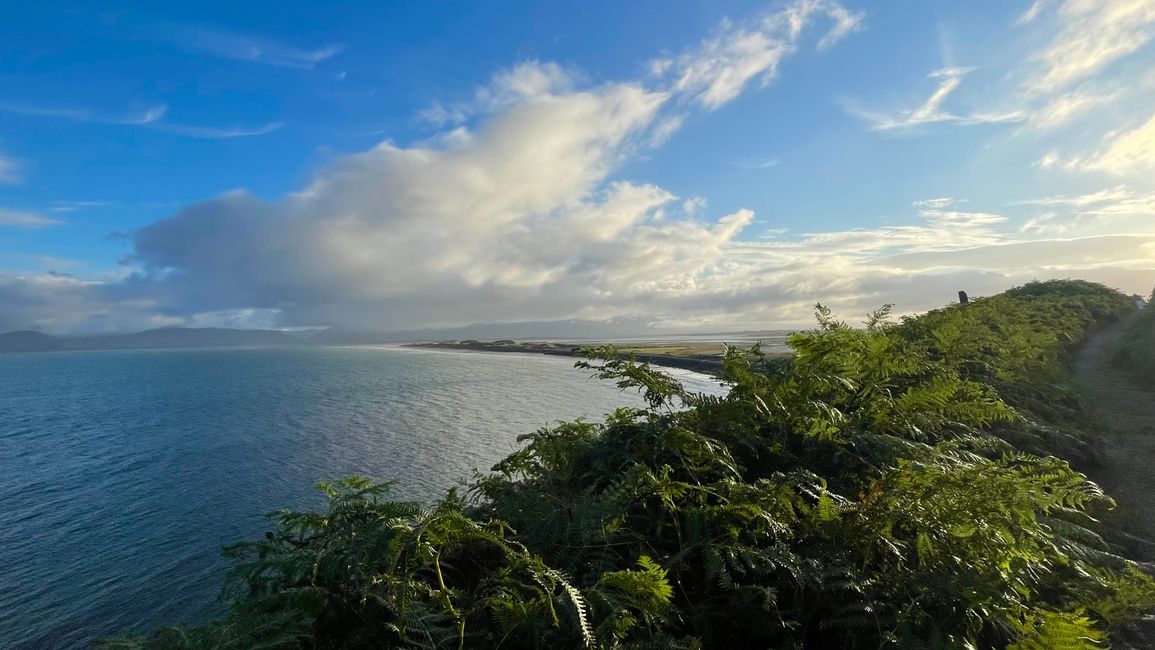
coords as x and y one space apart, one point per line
123 473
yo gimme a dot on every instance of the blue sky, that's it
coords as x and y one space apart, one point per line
691 164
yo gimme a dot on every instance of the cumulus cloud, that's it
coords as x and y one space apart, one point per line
516 212
525 81
62 303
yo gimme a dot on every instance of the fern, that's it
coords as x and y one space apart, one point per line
905 484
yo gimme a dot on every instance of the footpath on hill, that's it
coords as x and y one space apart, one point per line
1127 413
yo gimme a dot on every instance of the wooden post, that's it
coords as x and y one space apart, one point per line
962 298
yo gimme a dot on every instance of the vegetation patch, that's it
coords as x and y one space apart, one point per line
898 485
1136 350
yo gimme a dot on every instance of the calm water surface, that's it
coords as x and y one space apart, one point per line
122 474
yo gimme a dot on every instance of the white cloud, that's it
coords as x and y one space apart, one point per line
694 205
142 117
525 81
711 74
1085 37
254 49
766 163
73 206
59 302
214 133
522 216
722 66
1062 109
1049 160
1093 34
22 219
150 118
931 111
1031 13
1046 223
1127 153
939 203
845 23
1114 210
1109 195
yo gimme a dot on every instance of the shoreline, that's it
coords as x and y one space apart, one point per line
701 358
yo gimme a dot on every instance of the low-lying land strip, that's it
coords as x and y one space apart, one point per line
698 357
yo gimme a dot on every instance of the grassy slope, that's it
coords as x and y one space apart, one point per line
1021 342
1136 350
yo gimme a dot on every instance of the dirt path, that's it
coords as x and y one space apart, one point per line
1127 413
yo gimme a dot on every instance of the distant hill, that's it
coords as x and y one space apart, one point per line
29 341
166 337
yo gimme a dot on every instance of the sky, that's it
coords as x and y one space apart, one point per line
692 165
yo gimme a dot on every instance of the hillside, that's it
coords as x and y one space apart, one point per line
168 337
29 341
1125 404
1134 351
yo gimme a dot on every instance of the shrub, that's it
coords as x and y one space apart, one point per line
1135 352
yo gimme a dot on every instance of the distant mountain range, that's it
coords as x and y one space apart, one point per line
167 337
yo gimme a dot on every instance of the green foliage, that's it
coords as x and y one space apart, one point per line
870 493
1019 343
1136 349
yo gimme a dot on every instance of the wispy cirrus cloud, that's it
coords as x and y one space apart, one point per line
1085 37
938 203
25 220
1111 195
146 116
254 49
1031 13
1092 35
73 206
217 132
1118 209
1124 153
738 54
765 163
1062 109
708 74
150 118
931 111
